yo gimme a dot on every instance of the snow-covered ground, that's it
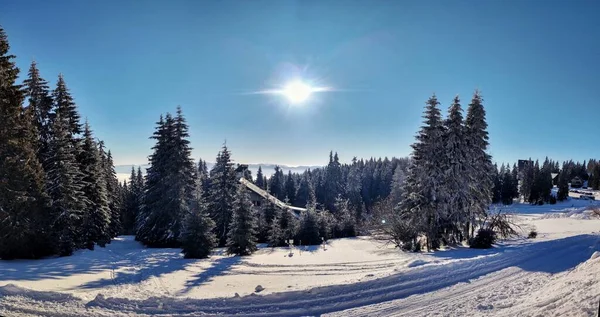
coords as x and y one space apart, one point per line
556 274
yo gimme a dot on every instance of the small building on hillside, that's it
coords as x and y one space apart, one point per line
576 182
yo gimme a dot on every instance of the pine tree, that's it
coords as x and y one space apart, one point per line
24 222
563 184
65 188
333 182
260 179
170 185
346 221
66 108
277 184
112 193
290 188
131 202
423 202
496 185
241 238
457 173
222 193
354 188
305 188
96 219
40 106
480 161
197 236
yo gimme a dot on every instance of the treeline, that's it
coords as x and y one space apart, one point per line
182 204
58 187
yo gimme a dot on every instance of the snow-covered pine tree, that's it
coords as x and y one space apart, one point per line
222 191
423 197
508 188
260 179
353 188
480 161
39 106
457 172
131 203
345 220
96 219
65 188
290 188
66 108
304 189
333 182
170 184
277 184
563 183
307 232
197 236
23 218
112 192
154 187
241 238
496 184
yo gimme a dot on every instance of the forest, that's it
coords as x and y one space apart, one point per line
59 191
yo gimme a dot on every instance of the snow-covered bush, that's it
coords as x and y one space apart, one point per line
483 240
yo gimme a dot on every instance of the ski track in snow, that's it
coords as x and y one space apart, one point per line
550 276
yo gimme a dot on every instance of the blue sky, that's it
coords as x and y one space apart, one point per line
537 64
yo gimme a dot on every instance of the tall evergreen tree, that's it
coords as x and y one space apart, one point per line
422 203
333 182
260 179
457 172
241 238
197 236
112 193
39 106
479 159
290 188
69 202
277 184
305 188
170 186
96 219
24 222
222 193
563 184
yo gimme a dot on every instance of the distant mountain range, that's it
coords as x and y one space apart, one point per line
123 171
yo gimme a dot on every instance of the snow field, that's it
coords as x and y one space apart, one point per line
557 274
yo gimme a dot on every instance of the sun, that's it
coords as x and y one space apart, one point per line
297 92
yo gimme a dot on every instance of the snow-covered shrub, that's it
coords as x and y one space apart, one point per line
483 240
308 228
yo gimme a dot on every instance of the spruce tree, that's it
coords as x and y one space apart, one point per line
170 185
290 188
96 220
222 193
241 238
423 201
305 188
65 188
39 106
563 184
24 222
155 186
260 179
112 192
197 236
346 222
277 184
479 159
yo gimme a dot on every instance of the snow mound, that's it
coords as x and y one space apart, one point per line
595 255
13 290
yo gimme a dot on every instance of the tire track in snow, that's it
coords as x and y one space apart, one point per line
322 300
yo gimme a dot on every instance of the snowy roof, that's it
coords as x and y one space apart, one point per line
264 194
